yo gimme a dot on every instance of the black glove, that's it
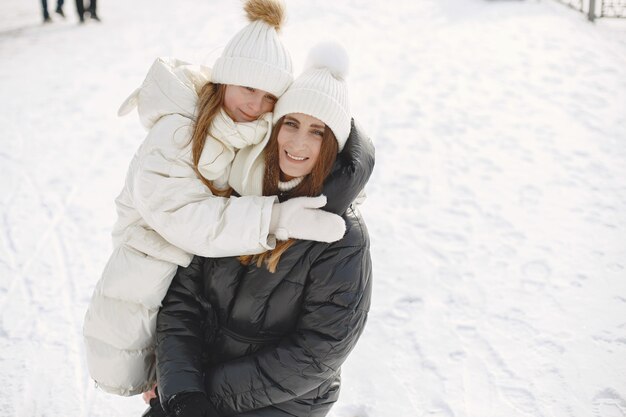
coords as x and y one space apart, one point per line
155 409
191 404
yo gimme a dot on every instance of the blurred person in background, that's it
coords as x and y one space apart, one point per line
46 15
80 8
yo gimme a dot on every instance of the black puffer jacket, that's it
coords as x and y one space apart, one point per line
273 342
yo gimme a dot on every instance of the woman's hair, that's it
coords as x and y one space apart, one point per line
310 186
210 102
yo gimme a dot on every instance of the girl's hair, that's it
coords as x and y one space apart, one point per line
210 102
310 186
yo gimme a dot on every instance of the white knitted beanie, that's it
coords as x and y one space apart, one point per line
321 90
255 57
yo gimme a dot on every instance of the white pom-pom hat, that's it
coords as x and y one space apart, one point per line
255 57
321 90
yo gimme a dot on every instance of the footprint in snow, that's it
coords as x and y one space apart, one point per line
406 308
608 403
529 195
538 271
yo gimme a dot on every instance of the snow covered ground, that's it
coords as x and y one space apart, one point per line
497 209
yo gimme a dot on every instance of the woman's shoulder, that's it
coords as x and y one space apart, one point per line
344 267
355 241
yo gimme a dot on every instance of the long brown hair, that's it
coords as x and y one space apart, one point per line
210 101
310 186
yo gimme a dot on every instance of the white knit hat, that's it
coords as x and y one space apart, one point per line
255 57
321 90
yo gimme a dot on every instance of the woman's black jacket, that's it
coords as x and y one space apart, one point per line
255 340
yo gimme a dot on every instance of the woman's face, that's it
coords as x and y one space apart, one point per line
246 104
299 143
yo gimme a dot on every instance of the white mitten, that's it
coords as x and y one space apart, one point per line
302 218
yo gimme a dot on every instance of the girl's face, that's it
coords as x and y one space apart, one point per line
299 143
247 104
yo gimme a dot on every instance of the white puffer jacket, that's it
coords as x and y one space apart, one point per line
165 215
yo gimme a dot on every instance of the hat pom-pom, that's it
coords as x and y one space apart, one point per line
272 12
330 55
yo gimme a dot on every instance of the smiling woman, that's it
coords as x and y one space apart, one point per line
299 141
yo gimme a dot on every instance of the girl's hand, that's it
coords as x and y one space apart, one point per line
148 395
302 218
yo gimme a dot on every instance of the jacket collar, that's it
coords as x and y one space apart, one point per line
351 172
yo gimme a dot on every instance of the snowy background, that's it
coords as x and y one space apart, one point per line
497 209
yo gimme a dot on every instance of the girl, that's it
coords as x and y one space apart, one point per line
265 335
175 200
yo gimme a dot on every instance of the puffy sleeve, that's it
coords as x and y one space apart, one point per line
182 323
333 316
178 206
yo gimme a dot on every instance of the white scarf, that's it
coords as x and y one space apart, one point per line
248 168
225 138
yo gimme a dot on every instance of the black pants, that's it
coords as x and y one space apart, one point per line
44 6
80 8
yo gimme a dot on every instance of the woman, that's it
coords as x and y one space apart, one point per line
174 203
265 335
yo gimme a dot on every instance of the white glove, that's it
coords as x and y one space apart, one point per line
302 218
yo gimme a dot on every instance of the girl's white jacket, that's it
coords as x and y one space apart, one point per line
165 215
